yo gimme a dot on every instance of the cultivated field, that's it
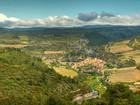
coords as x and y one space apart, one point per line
66 72
120 47
125 51
130 74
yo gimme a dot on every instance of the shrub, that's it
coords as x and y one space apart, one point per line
138 67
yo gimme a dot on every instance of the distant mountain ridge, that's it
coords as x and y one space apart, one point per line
105 26
96 34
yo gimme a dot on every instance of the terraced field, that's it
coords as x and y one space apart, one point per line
125 51
130 74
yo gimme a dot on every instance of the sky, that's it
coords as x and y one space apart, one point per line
49 13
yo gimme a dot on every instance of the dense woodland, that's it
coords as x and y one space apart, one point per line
26 81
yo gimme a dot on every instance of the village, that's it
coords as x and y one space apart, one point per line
92 68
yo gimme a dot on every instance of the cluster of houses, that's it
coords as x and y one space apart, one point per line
53 56
97 63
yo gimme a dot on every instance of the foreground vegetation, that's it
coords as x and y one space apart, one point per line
25 80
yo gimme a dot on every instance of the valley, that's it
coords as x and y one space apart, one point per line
69 66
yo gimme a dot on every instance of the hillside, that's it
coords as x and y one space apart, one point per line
24 80
127 49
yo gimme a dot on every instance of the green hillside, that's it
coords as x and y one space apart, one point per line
24 80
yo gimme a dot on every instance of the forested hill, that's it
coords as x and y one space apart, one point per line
97 35
24 80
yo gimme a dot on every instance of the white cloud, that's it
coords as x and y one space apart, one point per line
120 20
3 17
51 21
60 21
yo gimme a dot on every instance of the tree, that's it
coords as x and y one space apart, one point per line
119 94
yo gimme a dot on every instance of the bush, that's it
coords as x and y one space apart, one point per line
138 67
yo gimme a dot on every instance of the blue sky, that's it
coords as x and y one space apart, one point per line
57 13
28 9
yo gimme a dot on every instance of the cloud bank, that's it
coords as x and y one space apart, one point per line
92 18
